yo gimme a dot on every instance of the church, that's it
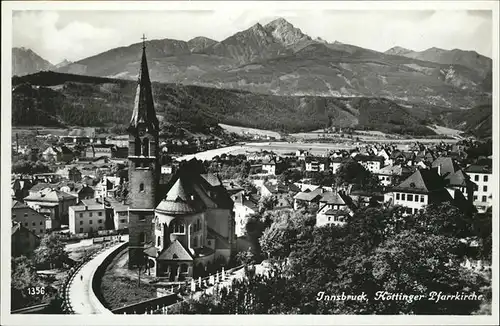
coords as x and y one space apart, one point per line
184 228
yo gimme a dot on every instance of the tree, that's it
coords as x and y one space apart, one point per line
483 230
30 167
23 277
414 262
444 219
370 226
278 239
354 173
247 185
323 178
291 175
267 203
51 252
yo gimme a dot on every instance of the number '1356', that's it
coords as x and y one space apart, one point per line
36 290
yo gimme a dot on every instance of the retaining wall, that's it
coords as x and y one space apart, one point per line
96 295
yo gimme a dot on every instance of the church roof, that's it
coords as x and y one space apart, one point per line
144 111
189 191
175 251
180 199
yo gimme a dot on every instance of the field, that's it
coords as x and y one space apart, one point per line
250 131
316 148
440 130
119 286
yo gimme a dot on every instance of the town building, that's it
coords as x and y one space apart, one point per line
370 162
120 216
244 207
423 187
316 164
118 141
107 187
336 162
58 154
482 176
23 240
29 218
393 174
87 218
53 204
269 166
307 197
100 150
334 208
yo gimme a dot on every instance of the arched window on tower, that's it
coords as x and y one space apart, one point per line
178 227
145 147
141 187
159 241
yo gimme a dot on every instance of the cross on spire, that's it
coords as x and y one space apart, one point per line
143 38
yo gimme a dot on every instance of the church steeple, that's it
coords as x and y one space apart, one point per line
144 168
143 115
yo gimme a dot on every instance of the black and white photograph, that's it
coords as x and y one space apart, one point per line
264 159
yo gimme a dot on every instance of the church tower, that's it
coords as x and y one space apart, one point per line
144 173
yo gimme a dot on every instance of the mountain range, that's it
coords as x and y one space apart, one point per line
57 99
278 58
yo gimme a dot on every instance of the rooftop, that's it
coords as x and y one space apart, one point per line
423 181
485 169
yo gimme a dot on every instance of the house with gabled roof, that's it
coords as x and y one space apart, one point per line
23 240
53 204
307 197
58 154
30 218
423 187
391 173
334 208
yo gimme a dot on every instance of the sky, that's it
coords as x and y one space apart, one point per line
77 34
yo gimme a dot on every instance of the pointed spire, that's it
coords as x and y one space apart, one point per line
144 111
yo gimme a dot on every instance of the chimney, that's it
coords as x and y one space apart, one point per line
86 207
439 169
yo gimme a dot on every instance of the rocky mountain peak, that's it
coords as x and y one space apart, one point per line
285 33
199 43
398 50
63 63
26 61
320 40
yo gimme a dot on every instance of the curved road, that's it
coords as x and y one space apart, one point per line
81 297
